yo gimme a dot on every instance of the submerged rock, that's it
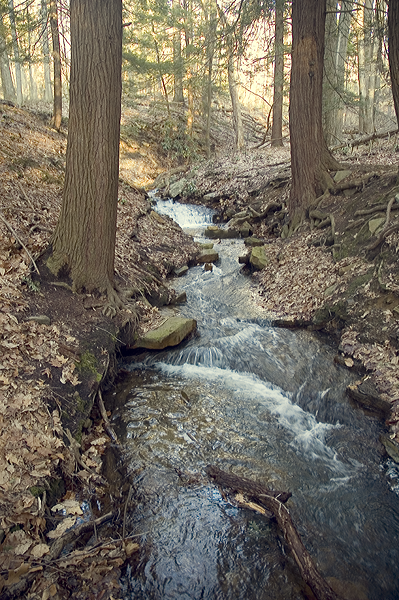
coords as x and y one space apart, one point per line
170 333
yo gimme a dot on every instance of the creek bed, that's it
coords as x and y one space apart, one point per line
265 403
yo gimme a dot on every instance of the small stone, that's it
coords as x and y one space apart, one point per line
182 271
207 256
375 224
330 290
253 241
180 299
41 319
391 447
341 175
208 246
177 188
258 258
208 267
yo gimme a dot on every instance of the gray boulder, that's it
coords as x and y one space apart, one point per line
177 188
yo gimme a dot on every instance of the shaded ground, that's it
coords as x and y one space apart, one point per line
53 434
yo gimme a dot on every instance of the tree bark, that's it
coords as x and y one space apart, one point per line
48 95
309 153
84 241
17 61
367 69
273 501
237 116
211 23
55 34
277 126
393 45
6 79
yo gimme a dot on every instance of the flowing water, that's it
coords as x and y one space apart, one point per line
264 403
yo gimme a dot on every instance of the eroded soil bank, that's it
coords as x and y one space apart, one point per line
58 349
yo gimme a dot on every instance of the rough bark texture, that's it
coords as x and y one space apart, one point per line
84 241
393 35
277 127
48 94
6 80
55 34
274 502
18 74
367 47
307 143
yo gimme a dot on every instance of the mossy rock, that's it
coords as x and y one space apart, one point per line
170 333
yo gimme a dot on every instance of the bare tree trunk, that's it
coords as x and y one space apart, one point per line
17 61
84 241
393 40
367 69
336 43
210 42
48 94
6 79
178 95
231 75
307 142
55 34
277 127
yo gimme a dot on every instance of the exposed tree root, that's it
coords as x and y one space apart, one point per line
386 230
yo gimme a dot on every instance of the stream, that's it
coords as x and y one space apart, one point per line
264 403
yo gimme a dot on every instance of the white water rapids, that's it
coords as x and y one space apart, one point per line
264 403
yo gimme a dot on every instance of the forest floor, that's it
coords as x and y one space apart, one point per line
56 348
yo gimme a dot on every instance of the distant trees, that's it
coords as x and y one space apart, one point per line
393 37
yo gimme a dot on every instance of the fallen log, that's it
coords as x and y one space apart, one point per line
274 501
365 140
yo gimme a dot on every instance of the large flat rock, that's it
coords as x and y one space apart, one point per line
170 333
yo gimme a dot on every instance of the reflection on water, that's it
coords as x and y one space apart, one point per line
268 404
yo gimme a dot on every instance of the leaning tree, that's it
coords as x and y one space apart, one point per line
310 158
83 245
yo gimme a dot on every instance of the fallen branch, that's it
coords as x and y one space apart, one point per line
365 140
21 242
107 424
274 502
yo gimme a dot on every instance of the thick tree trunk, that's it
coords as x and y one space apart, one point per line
48 94
55 34
393 40
307 143
6 79
17 61
277 127
84 240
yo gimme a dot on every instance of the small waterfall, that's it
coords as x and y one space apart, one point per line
265 403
